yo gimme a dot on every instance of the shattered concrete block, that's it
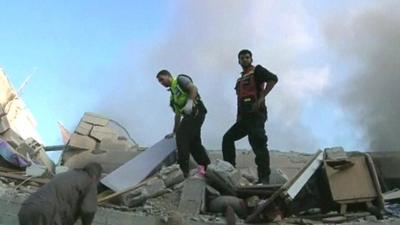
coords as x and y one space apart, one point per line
36 170
12 138
193 196
83 128
99 133
4 124
81 142
61 169
108 144
39 155
335 153
153 188
132 200
223 176
220 204
95 119
171 175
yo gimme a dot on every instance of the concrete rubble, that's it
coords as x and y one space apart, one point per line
304 188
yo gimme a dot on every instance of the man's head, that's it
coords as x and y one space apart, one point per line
165 78
245 58
94 170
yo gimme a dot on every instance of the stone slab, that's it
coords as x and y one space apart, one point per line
99 133
4 124
95 119
193 196
81 142
83 128
138 168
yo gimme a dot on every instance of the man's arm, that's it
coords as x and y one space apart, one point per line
265 76
89 205
177 121
192 89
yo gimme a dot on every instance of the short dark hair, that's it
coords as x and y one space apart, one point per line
164 72
94 169
244 52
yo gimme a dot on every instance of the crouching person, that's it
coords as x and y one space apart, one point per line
66 198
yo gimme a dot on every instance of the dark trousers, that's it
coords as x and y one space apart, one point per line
188 140
253 127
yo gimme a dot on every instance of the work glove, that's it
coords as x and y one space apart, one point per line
170 135
188 108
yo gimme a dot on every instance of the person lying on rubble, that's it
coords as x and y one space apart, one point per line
66 198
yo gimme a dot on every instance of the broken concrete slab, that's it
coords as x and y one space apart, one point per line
193 196
172 175
4 124
99 133
83 128
138 168
153 188
12 138
36 170
335 153
107 144
95 119
223 176
80 142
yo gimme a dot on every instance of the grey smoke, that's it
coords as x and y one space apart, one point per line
368 41
202 39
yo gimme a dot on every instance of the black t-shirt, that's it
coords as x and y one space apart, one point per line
261 75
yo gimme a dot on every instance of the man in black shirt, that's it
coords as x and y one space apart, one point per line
251 88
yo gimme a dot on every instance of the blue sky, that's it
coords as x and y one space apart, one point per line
102 56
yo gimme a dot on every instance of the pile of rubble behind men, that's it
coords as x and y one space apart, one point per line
331 186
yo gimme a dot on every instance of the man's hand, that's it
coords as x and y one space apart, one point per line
188 108
168 136
257 105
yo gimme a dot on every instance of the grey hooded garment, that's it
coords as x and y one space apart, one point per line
66 198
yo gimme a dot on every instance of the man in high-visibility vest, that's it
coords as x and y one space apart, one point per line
190 113
252 87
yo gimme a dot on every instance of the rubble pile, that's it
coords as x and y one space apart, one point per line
330 186
98 139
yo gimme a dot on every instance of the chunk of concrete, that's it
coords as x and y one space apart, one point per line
108 144
154 188
61 169
81 142
83 128
12 138
335 153
223 176
36 170
4 124
95 119
193 196
172 175
38 154
99 133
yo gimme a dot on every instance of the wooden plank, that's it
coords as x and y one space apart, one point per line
135 170
193 196
22 178
116 194
354 183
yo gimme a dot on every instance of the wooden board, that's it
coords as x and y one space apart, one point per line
354 184
137 169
